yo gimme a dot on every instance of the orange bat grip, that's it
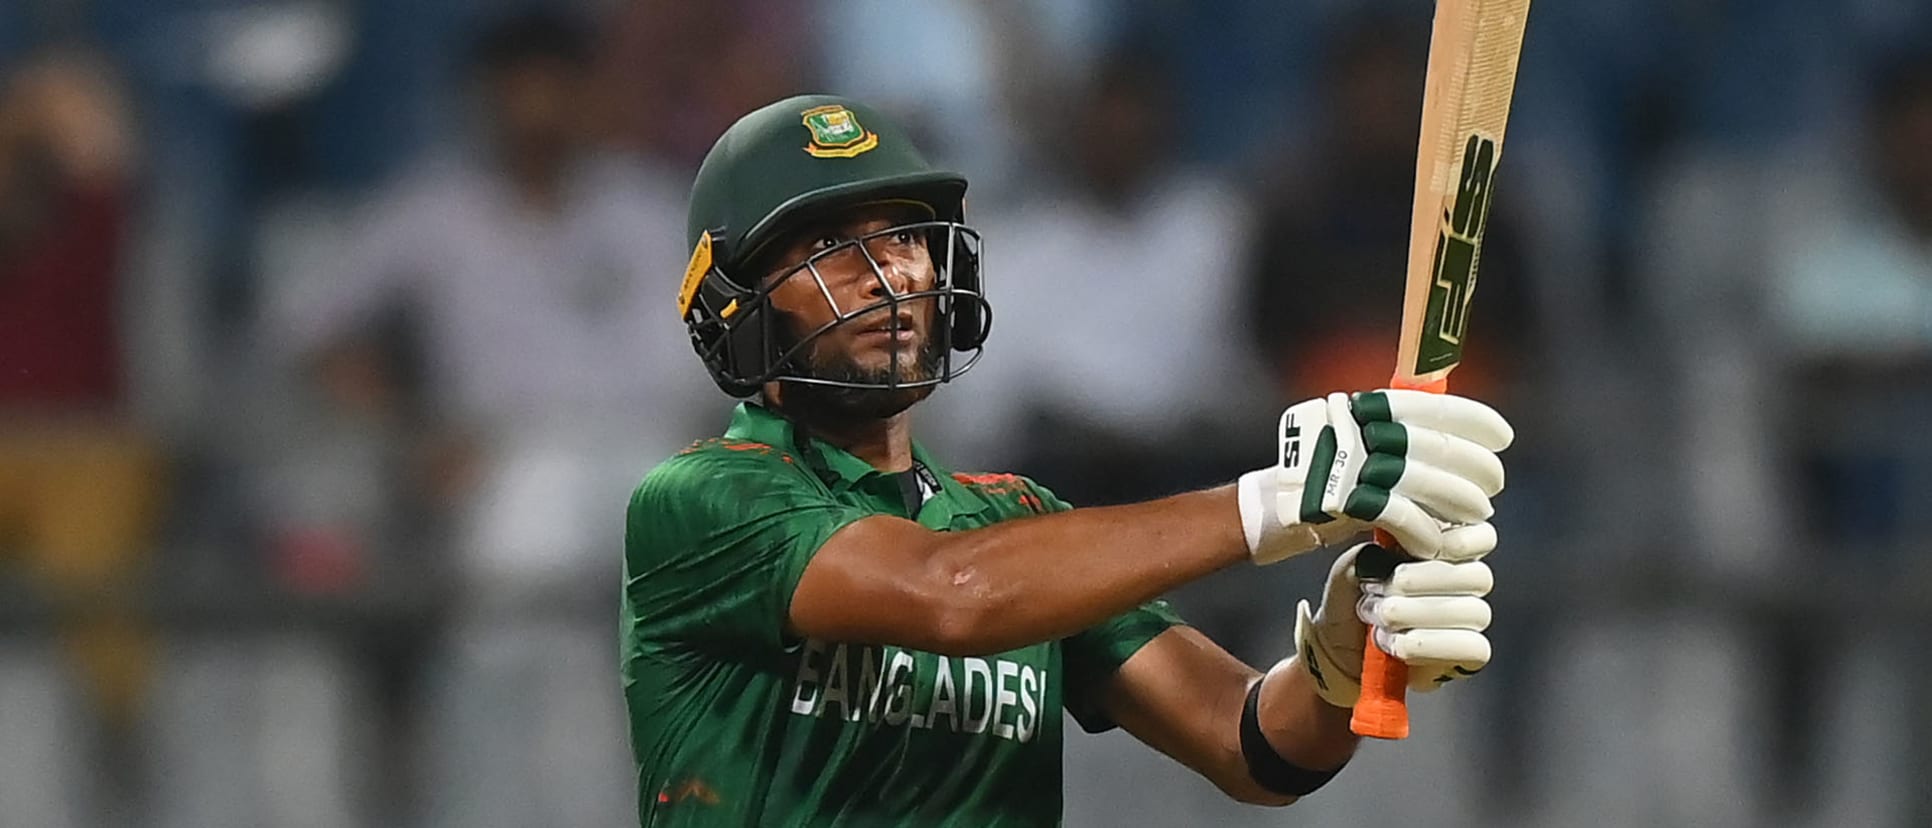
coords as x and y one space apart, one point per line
1382 712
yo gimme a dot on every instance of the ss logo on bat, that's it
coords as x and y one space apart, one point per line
1459 245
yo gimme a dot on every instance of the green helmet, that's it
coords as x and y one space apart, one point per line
789 163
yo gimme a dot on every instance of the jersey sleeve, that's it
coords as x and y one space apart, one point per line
1090 657
714 547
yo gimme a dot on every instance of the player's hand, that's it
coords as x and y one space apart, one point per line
1420 466
1429 614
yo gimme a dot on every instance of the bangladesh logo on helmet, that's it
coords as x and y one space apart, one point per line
836 133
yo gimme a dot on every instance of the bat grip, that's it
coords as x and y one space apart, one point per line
1383 710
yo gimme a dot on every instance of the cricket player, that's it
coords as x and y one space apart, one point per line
823 625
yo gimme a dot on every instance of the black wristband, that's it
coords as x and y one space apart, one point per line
1267 767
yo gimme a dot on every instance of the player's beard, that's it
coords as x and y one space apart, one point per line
812 401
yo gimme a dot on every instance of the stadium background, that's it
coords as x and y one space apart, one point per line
315 428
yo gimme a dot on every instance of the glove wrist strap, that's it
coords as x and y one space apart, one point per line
1271 538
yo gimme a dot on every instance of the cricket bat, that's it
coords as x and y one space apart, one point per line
1473 52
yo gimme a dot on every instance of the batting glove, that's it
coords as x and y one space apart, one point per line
1421 466
1429 614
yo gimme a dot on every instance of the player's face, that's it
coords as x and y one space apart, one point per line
888 341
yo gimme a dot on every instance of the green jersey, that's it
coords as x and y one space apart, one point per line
735 722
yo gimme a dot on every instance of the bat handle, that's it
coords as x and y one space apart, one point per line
1383 710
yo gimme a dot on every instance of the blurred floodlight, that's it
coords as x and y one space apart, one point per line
265 56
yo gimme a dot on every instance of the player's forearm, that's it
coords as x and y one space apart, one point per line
1032 580
1187 697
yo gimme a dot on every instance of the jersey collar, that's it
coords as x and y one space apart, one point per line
842 470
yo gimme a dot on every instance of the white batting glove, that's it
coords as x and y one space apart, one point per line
1429 614
1421 466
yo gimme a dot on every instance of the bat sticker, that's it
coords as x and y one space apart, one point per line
1458 254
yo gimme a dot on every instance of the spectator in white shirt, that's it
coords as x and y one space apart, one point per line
550 370
534 274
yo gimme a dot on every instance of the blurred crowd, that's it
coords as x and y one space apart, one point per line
335 333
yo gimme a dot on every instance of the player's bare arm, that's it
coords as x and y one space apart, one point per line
890 580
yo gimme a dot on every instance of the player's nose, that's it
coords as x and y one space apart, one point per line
895 273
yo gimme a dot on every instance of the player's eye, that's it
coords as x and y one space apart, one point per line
824 243
905 237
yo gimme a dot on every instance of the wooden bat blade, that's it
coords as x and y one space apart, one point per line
1473 55
1473 52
